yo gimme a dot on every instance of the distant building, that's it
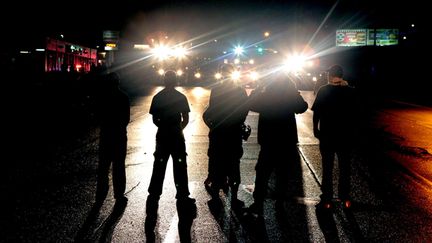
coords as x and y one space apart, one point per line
61 55
49 55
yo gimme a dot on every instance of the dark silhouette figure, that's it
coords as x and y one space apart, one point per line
170 110
334 126
277 103
225 116
114 116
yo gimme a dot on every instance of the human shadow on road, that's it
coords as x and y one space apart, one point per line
152 205
187 212
354 226
87 234
232 220
90 220
256 228
327 224
112 221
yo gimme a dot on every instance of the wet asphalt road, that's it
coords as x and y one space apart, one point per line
54 203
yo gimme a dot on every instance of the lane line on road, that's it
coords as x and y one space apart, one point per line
309 166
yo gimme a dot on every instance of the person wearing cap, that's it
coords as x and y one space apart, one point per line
114 116
334 125
225 116
276 103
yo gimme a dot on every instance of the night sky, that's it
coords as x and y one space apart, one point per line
84 21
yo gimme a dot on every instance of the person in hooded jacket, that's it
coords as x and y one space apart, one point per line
277 103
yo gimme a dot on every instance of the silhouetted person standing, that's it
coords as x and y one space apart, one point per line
225 115
334 126
170 111
114 116
277 103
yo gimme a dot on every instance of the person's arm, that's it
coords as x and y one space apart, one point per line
185 119
244 107
127 111
316 114
301 104
206 117
316 120
254 99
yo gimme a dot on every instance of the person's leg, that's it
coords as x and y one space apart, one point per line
158 174
234 183
180 171
211 153
288 173
327 168
102 176
219 177
119 171
234 177
344 174
263 170
233 170
180 176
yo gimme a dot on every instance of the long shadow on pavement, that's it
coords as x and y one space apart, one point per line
86 234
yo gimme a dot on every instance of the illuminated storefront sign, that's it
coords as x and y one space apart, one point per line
367 37
111 47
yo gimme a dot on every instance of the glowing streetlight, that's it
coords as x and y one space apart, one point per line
266 34
238 50
197 75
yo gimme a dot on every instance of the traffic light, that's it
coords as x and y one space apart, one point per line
260 50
